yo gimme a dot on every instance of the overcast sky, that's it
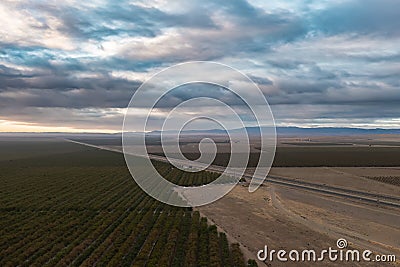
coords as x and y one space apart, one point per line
74 65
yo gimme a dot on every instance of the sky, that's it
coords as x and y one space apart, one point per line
74 65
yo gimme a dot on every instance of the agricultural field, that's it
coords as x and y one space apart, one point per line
18 148
327 156
70 205
394 180
324 152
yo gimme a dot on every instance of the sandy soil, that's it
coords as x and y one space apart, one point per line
351 177
283 218
368 226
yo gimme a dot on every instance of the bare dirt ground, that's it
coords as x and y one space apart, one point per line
292 219
368 226
346 177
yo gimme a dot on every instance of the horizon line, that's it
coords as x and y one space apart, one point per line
277 127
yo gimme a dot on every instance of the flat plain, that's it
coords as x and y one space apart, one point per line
284 217
63 204
69 204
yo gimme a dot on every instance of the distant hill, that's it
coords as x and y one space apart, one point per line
333 131
281 131
295 131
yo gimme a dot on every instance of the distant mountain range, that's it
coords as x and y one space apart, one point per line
293 131
281 131
333 131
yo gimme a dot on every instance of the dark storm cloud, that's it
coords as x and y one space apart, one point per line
360 16
64 56
281 25
10 73
51 90
104 20
197 90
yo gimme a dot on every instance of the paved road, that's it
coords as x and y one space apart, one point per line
371 198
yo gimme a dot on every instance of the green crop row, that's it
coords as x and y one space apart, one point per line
82 208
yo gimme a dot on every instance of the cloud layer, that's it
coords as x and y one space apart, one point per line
76 64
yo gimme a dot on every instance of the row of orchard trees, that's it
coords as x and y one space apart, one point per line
97 216
209 248
182 178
